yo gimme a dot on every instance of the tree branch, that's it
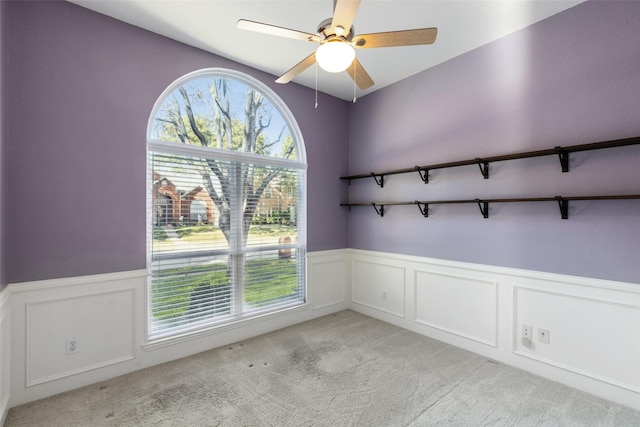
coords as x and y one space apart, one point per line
192 121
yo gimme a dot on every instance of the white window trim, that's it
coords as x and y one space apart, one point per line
300 163
220 154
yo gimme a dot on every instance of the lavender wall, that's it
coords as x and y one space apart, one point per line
81 87
570 79
3 169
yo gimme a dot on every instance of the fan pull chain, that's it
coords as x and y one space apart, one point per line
354 80
316 85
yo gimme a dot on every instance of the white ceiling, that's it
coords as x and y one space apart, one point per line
210 25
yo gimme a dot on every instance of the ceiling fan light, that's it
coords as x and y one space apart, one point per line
335 56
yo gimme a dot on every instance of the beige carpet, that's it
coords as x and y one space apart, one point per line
341 370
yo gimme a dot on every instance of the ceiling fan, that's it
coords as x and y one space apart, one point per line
337 42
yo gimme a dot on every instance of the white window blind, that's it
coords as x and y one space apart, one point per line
226 241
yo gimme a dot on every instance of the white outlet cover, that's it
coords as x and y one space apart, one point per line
543 335
527 331
72 346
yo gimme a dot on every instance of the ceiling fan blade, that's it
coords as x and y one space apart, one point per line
297 69
396 38
344 12
359 75
259 27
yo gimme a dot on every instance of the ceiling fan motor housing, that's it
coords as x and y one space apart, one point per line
328 33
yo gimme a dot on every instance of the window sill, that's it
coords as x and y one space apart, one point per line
216 329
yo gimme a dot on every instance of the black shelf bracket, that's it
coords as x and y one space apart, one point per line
561 152
484 167
563 155
563 204
483 205
423 210
424 174
379 179
379 211
484 208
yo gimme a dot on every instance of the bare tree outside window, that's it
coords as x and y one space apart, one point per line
199 117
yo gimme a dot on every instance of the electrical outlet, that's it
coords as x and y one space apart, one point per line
72 346
543 335
385 296
527 335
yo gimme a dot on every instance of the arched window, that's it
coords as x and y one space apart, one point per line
227 172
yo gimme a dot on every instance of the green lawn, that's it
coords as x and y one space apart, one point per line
181 290
273 230
172 288
268 280
159 234
194 230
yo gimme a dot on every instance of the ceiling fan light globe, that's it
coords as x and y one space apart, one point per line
335 56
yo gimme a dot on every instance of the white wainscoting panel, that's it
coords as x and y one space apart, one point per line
457 304
5 367
594 325
103 325
380 286
103 312
106 314
327 280
597 338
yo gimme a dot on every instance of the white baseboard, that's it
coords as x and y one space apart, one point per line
5 367
594 341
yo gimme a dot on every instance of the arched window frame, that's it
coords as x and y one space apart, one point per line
287 115
176 148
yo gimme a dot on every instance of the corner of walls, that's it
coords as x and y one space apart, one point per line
5 331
